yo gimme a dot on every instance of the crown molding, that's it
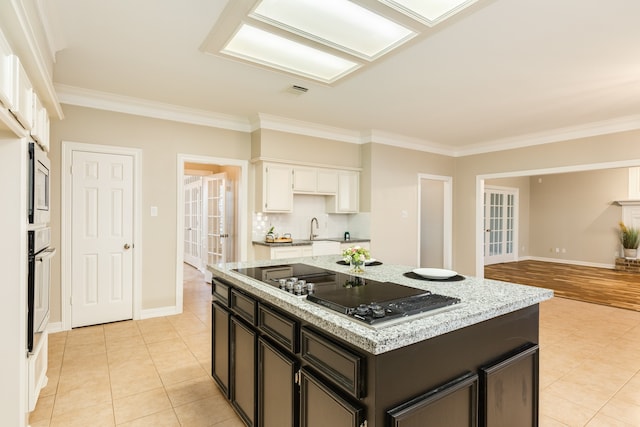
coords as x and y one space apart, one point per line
620 124
81 97
72 95
283 124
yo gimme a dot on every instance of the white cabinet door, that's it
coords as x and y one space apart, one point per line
6 74
304 180
23 97
347 199
277 188
324 247
327 181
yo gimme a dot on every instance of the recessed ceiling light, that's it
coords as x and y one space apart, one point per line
337 23
256 45
429 12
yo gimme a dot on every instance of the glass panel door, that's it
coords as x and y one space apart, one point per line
500 225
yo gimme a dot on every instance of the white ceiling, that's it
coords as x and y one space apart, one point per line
502 73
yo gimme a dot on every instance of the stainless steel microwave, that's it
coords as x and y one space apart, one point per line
39 181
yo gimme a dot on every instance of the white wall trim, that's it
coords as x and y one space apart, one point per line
160 312
54 327
447 244
243 189
572 262
65 219
72 95
479 258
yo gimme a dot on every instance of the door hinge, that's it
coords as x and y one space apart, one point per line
364 424
71 300
296 377
71 169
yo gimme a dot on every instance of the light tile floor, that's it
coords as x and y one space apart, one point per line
155 372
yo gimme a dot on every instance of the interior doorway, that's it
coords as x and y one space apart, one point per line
212 203
435 221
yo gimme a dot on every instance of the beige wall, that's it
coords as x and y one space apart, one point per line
575 212
276 145
394 189
160 142
617 147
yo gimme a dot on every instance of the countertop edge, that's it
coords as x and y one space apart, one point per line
482 299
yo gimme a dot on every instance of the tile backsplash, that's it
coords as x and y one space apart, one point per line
298 223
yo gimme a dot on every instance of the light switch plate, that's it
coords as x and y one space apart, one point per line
154 211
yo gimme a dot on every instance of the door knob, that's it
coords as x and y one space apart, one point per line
127 246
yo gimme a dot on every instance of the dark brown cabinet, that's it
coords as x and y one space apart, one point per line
510 390
243 370
455 404
321 405
220 362
277 390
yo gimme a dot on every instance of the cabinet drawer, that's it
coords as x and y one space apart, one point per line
340 365
221 291
244 306
278 327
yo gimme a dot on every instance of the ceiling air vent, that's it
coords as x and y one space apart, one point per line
297 90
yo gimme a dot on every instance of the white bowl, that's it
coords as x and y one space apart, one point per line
435 273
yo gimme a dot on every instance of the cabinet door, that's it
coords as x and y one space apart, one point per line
304 180
327 181
322 406
277 188
510 391
243 370
23 97
6 74
455 404
277 391
286 252
347 199
220 319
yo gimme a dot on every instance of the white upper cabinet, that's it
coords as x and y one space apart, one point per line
327 181
22 107
347 200
40 130
6 74
276 181
304 180
309 180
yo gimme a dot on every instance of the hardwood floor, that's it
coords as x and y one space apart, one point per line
590 284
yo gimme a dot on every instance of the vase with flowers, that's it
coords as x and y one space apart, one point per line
630 240
356 257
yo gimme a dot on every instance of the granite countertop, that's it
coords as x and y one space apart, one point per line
297 242
481 300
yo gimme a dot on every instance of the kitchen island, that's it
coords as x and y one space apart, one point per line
282 360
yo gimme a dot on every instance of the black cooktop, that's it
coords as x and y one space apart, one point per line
369 301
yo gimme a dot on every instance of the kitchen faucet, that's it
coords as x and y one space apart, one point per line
311 235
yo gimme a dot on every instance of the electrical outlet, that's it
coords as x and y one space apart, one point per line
557 250
564 250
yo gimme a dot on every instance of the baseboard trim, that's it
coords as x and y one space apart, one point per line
54 327
160 312
572 262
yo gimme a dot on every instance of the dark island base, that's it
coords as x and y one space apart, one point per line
279 370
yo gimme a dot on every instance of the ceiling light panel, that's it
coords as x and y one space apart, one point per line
429 12
337 23
256 45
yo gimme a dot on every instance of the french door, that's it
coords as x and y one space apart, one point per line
500 225
217 236
193 221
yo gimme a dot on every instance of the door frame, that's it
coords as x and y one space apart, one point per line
447 241
242 220
68 148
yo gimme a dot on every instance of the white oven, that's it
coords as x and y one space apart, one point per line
39 191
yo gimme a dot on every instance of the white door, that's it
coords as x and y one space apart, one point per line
217 235
435 221
102 238
500 223
193 221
